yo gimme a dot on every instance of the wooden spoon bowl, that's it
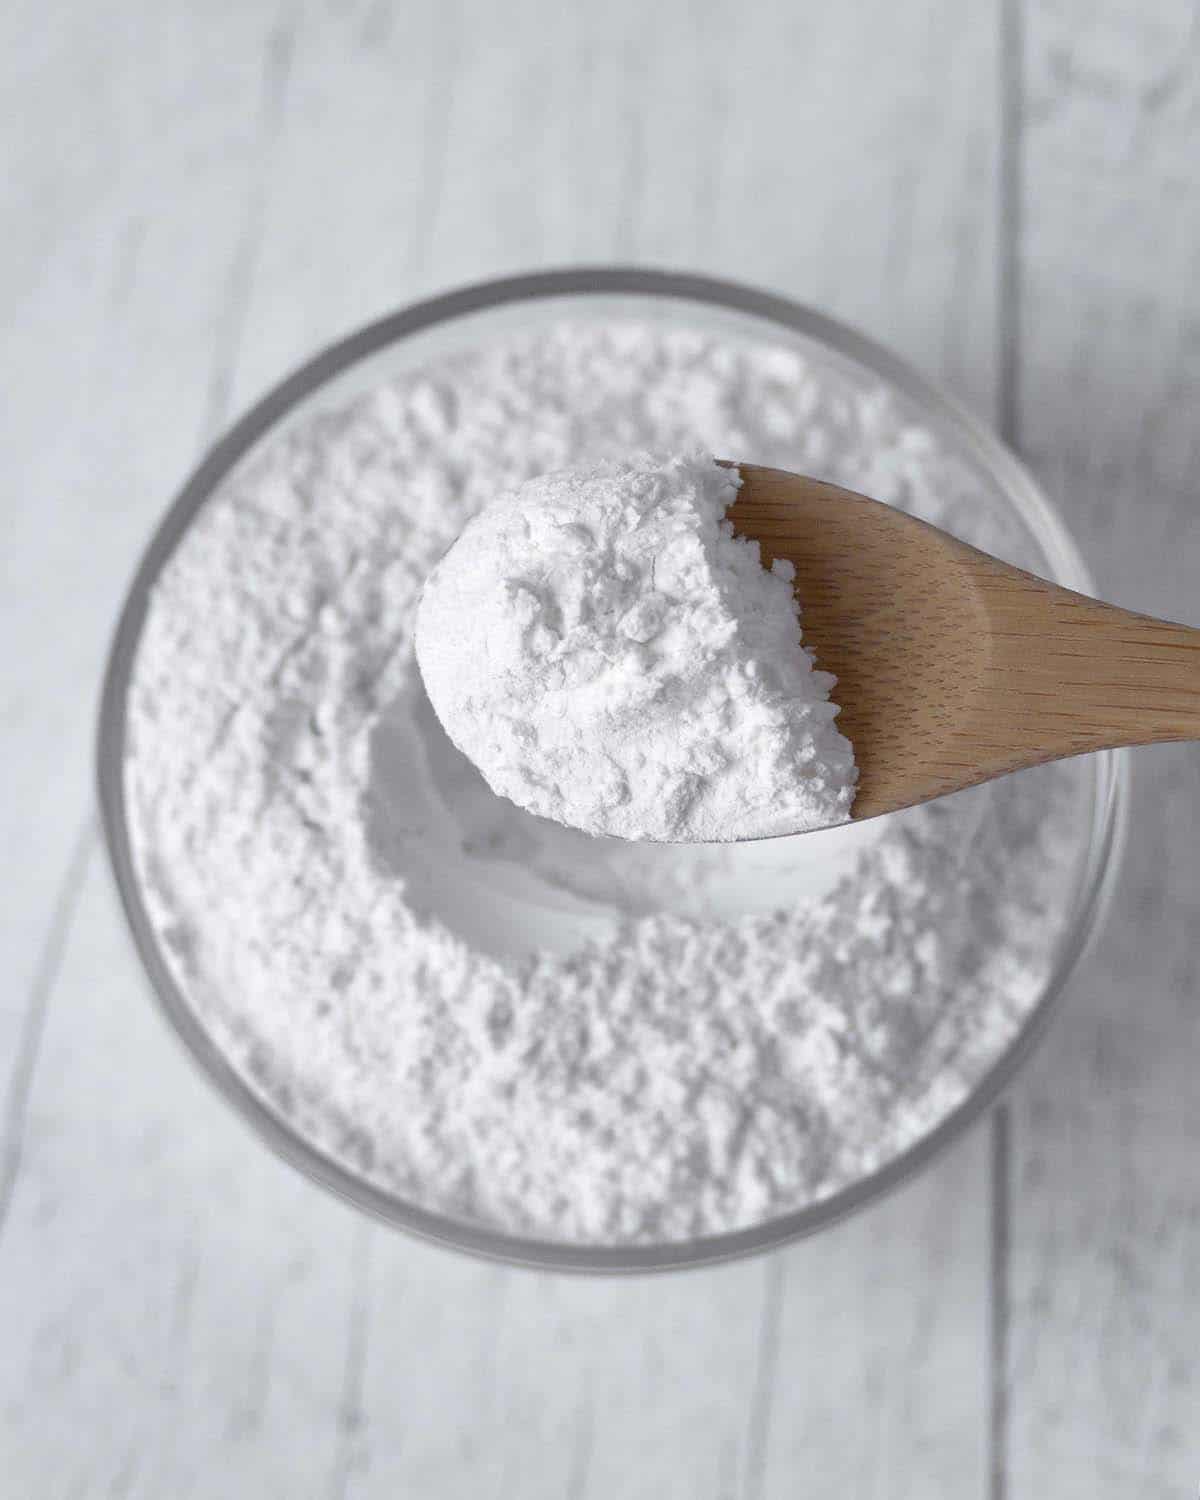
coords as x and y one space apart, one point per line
952 666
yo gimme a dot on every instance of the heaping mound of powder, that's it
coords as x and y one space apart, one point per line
611 655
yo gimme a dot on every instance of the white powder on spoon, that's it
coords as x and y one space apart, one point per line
609 654
486 1012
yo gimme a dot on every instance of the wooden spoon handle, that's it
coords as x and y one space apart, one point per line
953 667
1070 674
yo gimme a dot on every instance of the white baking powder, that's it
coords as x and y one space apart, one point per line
482 1010
610 655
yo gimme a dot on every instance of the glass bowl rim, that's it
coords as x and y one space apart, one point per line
1109 802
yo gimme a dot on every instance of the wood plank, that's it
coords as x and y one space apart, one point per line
863 176
134 150
183 1314
142 1324
174 1301
1105 1282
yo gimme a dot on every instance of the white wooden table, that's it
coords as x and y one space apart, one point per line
197 195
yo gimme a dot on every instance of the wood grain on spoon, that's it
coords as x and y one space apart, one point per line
952 666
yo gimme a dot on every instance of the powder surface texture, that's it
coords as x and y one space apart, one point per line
483 1011
609 654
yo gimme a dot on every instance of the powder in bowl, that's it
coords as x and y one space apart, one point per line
611 655
486 1013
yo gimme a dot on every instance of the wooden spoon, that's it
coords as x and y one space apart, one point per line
953 667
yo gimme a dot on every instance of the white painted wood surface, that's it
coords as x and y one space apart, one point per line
1105 1272
196 197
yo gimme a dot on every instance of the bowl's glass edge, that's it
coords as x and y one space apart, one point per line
1109 800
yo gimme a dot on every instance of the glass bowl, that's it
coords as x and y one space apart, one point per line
463 319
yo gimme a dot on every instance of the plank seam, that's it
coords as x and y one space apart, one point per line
1008 291
351 1453
45 979
758 1430
1008 400
277 72
999 1309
